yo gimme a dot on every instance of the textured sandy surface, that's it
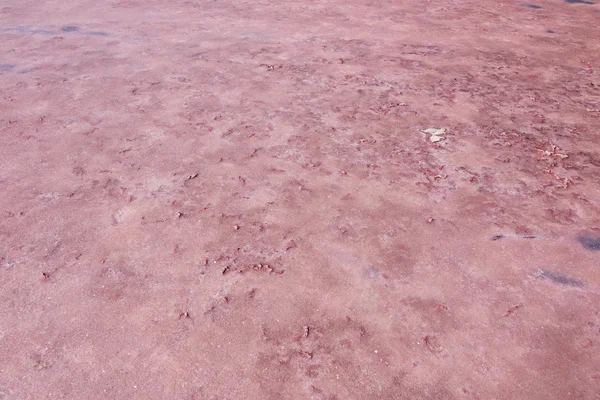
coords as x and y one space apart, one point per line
236 200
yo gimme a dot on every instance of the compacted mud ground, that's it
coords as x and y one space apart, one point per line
299 199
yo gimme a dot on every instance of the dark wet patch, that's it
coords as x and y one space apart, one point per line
7 67
42 32
550 31
529 5
373 273
589 242
24 29
561 279
97 33
579 2
69 28
498 237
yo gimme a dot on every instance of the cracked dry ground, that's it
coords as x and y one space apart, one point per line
236 200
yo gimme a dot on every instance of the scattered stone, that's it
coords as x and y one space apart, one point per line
306 331
436 134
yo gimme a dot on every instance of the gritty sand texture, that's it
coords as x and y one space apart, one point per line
331 200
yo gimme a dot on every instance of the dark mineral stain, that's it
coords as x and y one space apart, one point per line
69 28
6 67
97 33
42 32
528 5
550 31
498 237
29 31
579 2
561 279
589 242
373 273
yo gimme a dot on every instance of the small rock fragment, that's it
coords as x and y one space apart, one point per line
436 134
291 245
